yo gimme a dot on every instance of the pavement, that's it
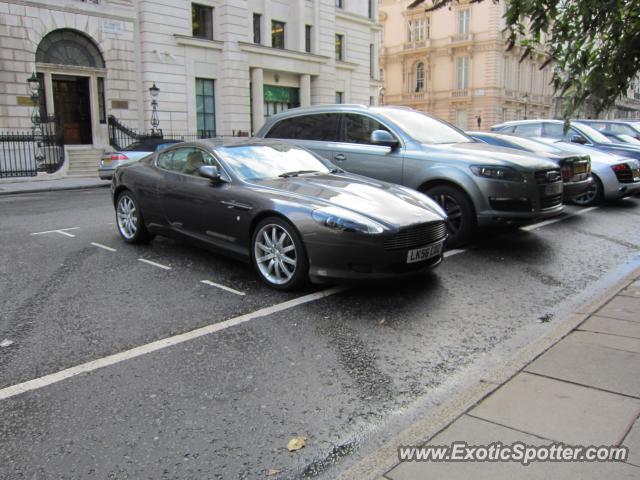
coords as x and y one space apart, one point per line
584 390
33 185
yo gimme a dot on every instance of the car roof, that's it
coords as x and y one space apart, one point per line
222 142
333 108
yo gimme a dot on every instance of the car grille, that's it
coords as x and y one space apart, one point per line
416 236
549 202
624 176
548 176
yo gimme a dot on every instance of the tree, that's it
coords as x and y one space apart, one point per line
594 45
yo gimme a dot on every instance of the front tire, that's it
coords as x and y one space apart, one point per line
456 204
278 255
592 195
129 219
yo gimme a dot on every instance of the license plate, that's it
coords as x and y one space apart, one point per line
424 253
580 168
553 189
106 163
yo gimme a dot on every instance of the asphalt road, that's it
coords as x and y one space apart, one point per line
347 370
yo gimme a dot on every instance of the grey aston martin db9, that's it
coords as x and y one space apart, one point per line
292 214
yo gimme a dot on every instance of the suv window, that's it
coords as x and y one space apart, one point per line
529 130
358 128
553 130
321 127
185 160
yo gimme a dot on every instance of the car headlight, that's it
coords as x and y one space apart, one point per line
497 173
346 221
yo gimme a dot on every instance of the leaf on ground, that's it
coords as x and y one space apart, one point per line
6 343
272 472
296 443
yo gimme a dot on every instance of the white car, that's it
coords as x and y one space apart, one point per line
614 176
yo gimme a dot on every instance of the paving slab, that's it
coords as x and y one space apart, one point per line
591 364
618 342
480 432
623 328
633 443
560 411
632 290
622 308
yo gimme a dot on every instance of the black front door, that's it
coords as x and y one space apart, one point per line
73 108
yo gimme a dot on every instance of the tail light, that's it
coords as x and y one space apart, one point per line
119 156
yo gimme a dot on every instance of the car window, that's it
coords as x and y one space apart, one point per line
358 128
320 127
186 160
424 128
619 128
529 130
553 130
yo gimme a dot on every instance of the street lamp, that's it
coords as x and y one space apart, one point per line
155 121
525 97
34 88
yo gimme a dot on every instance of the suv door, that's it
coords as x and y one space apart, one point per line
355 153
318 132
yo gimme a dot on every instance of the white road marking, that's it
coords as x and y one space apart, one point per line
52 378
451 253
61 231
535 226
217 285
159 265
99 245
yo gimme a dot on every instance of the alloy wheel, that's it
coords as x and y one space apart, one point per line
275 254
453 211
127 216
588 196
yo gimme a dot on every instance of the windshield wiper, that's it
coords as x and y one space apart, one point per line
296 173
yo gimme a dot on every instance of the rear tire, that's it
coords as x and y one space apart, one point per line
129 219
592 195
278 254
456 204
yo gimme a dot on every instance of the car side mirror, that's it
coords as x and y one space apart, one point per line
578 139
382 137
211 172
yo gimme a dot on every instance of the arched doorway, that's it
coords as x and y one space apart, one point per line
71 60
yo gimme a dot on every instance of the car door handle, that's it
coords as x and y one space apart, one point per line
340 157
236 205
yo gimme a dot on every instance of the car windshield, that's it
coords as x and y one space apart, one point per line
253 162
529 144
424 129
591 133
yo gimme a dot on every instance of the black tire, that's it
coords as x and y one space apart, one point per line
129 219
592 195
462 217
281 254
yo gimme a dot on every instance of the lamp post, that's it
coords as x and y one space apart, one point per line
525 97
155 121
34 88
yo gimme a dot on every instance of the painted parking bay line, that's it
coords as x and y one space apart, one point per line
61 231
155 264
104 247
535 226
222 287
116 358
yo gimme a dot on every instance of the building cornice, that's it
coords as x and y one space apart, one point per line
82 8
282 53
198 42
342 65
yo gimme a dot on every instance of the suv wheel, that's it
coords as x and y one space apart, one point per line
461 219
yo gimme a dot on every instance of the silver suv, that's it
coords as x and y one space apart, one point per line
475 183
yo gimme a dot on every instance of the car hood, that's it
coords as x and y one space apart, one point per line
482 153
388 203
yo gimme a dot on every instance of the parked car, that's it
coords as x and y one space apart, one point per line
621 138
577 133
291 213
614 127
614 176
575 168
137 150
475 183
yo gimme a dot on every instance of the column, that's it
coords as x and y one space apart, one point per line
305 90
48 93
257 98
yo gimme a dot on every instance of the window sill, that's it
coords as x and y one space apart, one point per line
198 42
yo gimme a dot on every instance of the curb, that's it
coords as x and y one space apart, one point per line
375 465
54 189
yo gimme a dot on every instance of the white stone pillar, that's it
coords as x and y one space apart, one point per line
257 98
48 93
305 90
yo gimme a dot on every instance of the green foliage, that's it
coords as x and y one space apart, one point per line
593 45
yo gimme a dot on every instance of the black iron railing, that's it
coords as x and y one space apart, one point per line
24 154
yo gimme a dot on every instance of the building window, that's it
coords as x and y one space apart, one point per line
372 70
277 34
340 3
257 31
205 108
420 77
463 21
102 111
307 38
462 73
339 97
278 99
372 101
461 119
339 47
371 9
418 29
202 21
